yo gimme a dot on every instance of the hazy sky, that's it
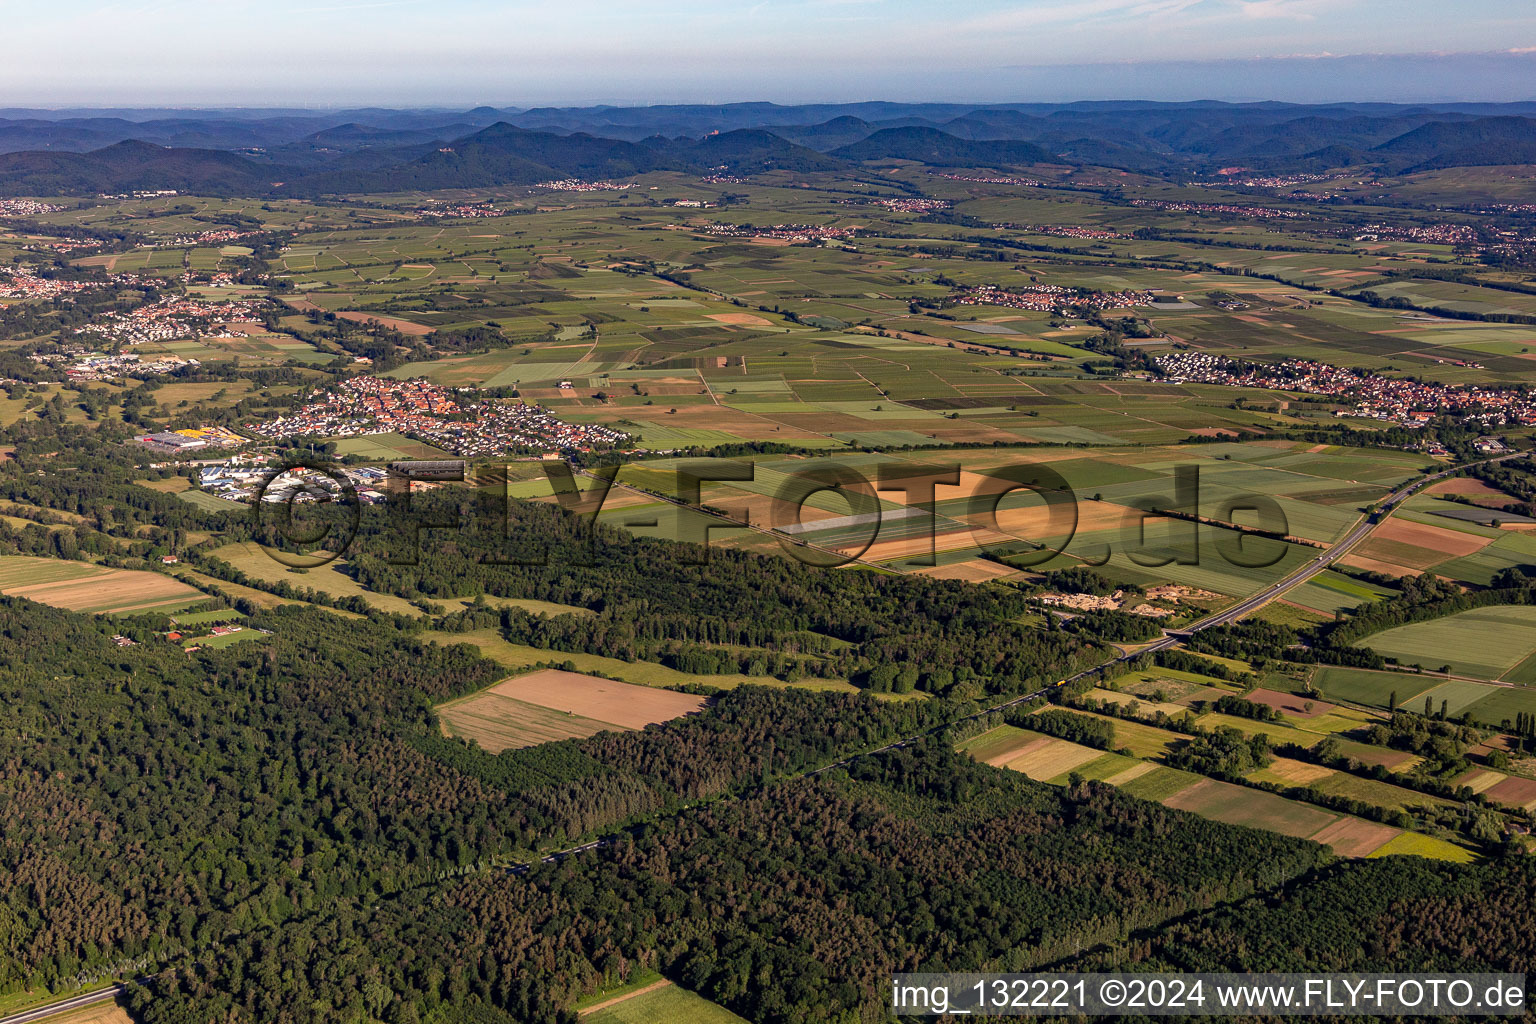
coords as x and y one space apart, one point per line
466 52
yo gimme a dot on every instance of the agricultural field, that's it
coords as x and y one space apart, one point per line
1057 761
1487 643
657 1002
83 587
550 704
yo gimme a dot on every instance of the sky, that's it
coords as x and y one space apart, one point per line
469 52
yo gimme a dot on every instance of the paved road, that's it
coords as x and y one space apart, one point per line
1343 547
72 1003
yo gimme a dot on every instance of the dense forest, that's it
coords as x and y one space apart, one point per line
654 600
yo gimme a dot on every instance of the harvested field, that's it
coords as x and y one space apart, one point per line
498 723
740 319
1480 780
392 322
1136 771
888 550
82 587
107 1012
1292 772
621 704
1239 805
1052 758
1471 488
1034 522
553 705
1417 544
977 570
1290 704
1355 837
1515 792
1376 565
1000 745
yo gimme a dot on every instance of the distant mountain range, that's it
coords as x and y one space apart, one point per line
288 152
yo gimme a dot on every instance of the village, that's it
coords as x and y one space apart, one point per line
905 205
26 208
988 181
17 282
173 317
1392 399
432 414
1436 234
1064 231
1259 212
221 236
577 185
463 211
780 232
1050 297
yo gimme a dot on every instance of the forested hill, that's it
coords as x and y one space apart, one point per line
939 149
372 150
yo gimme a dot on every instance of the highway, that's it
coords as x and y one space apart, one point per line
1345 544
72 1003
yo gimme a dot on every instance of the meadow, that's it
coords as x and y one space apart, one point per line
656 1002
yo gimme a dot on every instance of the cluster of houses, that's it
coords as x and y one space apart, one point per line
465 211
1268 181
26 208
1177 206
1391 399
723 179
908 205
174 317
577 185
1048 297
221 236
145 193
19 282
1064 231
433 414
989 181
1437 234
365 405
780 232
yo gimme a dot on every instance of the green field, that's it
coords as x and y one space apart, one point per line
668 1004
1485 643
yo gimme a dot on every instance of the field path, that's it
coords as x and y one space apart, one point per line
652 987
